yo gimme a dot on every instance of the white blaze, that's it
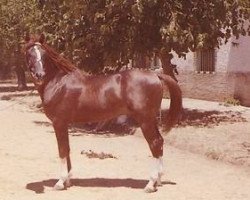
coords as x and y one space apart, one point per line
38 54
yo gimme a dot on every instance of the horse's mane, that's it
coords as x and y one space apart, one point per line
59 61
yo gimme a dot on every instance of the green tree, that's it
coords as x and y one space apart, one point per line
101 33
16 18
97 34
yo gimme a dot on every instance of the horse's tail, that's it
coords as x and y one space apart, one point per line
175 108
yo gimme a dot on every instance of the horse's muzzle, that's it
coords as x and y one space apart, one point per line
38 78
40 75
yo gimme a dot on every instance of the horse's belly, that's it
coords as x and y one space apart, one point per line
98 114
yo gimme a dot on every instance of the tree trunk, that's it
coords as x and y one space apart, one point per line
167 66
21 80
140 61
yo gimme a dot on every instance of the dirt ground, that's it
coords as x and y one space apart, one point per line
207 156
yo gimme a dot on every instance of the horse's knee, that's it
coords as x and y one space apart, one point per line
156 146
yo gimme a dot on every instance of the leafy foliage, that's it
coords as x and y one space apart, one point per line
16 17
100 33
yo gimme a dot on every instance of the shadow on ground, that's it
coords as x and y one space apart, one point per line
13 88
190 117
12 92
209 119
8 97
39 187
109 128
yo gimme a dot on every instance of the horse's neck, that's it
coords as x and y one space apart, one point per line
51 79
51 70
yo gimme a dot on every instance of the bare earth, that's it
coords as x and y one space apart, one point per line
206 157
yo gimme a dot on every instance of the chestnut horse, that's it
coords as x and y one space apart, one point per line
69 95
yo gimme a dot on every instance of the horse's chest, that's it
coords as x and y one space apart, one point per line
61 101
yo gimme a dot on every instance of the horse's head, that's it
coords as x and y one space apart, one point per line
43 61
35 56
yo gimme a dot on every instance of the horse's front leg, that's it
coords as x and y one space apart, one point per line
61 131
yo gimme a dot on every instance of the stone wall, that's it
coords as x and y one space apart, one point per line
213 87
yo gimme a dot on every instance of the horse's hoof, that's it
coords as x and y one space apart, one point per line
59 186
150 189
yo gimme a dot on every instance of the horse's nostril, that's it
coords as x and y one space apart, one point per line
39 75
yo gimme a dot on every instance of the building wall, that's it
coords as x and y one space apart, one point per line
239 55
221 59
214 87
239 67
230 80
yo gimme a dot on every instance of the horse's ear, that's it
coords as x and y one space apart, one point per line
27 37
42 38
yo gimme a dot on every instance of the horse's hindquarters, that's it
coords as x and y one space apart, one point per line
143 93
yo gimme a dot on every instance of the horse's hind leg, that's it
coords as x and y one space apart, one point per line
61 131
155 142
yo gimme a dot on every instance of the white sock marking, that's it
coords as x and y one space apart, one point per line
160 169
64 175
156 173
63 169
